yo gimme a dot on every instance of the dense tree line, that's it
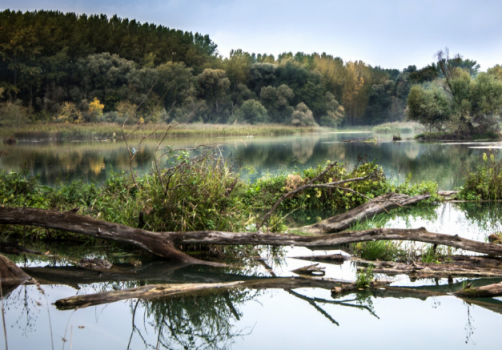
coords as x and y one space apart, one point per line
79 68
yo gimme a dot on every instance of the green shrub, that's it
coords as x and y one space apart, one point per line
365 277
485 182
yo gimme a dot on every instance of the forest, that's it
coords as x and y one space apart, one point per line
69 68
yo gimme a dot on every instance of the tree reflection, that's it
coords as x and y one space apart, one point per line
193 321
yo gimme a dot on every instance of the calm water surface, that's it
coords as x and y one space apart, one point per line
303 318
446 163
306 318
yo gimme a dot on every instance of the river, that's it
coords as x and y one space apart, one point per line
304 318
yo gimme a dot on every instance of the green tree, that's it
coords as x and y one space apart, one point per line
429 106
213 88
253 112
302 116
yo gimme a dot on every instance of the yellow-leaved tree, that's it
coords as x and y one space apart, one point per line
96 108
69 113
356 89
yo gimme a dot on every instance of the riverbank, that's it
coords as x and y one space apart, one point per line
445 136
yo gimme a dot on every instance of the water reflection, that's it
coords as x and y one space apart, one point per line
245 318
92 161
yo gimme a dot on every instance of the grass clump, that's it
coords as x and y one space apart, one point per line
192 196
264 192
379 250
433 254
364 277
485 182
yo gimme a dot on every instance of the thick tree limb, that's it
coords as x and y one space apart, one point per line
153 242
368 210
145 292
9 272
418 235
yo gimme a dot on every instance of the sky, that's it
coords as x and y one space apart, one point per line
390 33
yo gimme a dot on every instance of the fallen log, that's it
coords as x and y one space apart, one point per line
9 272
489 291
173 290
144 292
153 242
368 210
465 267
389 234
163 243
11 275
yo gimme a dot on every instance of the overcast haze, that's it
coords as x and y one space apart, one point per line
391 34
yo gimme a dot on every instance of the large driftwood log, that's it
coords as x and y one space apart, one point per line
163 243
145 292
368 210
153 242
418 235
377 289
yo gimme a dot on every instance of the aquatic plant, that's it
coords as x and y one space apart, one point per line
364 277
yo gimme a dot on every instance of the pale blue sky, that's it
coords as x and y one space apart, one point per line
391 34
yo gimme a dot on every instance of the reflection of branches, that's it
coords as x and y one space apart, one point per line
13 302
358 305
134 328
312 302
191 322
469 327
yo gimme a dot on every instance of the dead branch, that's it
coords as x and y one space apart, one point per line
368 210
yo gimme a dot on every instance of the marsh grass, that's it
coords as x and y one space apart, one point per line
102 131
436 254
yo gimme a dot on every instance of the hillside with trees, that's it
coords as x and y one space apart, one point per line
68 68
